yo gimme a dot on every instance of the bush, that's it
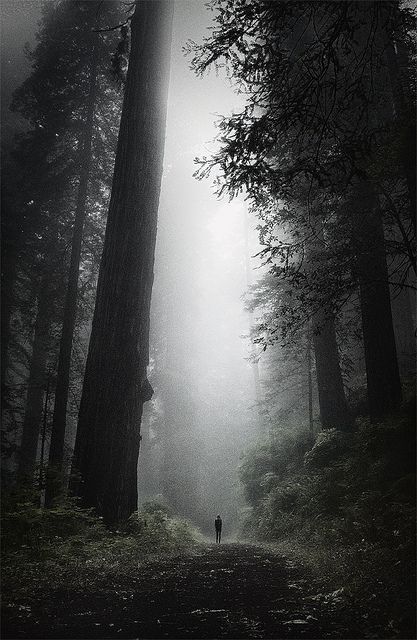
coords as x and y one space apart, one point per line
347 488
67 526
330 446
25 523
157 530
67 550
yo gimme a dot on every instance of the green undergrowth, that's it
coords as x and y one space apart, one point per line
67 550
365 583
343 505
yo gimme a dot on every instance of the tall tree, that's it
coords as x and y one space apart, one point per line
66 158
288 57
334 412
384 386
115 383
56 451
36 379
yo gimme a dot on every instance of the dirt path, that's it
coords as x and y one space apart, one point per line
224 591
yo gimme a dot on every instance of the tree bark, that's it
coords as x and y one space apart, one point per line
405 114
404 331
383 379
334 410
56 452
107 444
310 386
9 273
36 385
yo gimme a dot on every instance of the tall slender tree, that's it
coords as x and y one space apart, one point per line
36 380
65 162
56 451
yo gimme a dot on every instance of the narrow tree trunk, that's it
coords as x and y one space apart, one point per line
310 386
254 360
56 452
8 280
404 331
384 386
36 385
115 384
334 411
43 436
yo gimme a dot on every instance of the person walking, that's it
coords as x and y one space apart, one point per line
218 526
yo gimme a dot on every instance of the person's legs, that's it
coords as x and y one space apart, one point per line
220 535
217 536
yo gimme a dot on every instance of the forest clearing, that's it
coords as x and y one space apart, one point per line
208 319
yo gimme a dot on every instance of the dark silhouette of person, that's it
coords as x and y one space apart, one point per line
218 526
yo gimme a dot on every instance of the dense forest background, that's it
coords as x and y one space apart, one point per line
208 283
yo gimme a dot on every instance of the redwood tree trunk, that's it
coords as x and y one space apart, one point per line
36 385
383 379
405 114
56 452
107 444
334 411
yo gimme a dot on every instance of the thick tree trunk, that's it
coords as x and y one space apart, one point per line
334 410
56 451
36 385
405 115
384 386
115 385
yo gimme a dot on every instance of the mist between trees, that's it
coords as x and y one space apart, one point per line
215 312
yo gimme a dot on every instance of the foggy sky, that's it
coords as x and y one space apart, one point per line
200 251
202 239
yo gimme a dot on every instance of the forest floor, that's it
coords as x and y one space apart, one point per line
217 591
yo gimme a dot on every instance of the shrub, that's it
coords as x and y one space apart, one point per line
25 523
349 488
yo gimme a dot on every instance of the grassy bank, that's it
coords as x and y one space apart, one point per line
65 553
363 582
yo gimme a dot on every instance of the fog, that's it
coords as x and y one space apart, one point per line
270 377
204 411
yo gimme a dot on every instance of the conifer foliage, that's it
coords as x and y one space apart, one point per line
308 150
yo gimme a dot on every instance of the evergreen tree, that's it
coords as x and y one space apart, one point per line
316 116
70 61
